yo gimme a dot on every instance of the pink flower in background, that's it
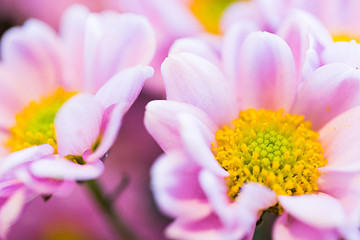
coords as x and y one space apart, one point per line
63 97
260 139
47 11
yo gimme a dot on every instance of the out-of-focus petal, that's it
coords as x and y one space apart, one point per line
302 31
72 30
191 79
197 47
124 87
110 126
65 169
343 52
35 48
267 77
77 124
327 92
313 209
115 42
197 139
232 42
26 155
11 210
287 228
162 122
340 139
176 187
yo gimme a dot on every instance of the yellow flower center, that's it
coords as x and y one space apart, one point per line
209 12
345 38
278 150
35 124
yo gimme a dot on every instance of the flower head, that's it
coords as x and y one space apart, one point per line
253 138
63 97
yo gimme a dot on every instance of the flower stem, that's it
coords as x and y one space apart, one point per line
107 207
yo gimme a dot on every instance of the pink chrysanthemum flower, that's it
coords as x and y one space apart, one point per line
261 139
63 97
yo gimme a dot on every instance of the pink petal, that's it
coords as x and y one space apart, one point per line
10 211
243 214
60 168
207 228
327 92
72 31
18 158
233 40
176 187
110 127
77 124
191 79
197 47
287 228
340 138
267 77
345 187
35 46
302 31
162 122
197 139
119 42
124 87
343 52
313 209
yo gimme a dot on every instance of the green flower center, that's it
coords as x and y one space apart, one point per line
35 124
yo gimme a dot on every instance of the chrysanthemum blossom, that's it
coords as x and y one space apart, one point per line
258 139
63 97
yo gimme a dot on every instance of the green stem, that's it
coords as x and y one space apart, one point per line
107 207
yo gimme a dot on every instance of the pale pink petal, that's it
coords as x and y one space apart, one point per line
232 42
9 186
72 31
124 87
161 121
120 41
267 14
327 92
30 154
345 187
252 200
246 210
36 46
267 77
313 209
44 186
61 168
340 139
197 47
174 181
287 228
110 126
77 124
191 79
10 211
302 31
343 52
209 228
197 139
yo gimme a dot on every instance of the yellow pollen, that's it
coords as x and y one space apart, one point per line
208 12
276 149
35 124
345 38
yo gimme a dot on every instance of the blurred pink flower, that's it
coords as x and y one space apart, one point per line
191 180
46 11
63 98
